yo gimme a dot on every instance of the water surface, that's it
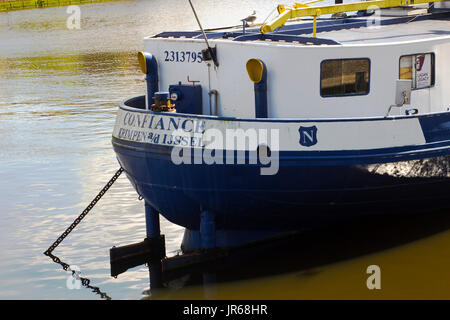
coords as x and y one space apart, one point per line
59 91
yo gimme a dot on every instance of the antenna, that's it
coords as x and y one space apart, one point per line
210 50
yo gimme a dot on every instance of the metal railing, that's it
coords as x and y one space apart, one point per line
304 10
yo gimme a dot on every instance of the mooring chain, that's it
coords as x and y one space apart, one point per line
84 281
84 213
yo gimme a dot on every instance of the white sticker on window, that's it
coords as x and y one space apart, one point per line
422 67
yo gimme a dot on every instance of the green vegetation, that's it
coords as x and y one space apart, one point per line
9 5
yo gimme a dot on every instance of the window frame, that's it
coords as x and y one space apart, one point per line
433 65
347 94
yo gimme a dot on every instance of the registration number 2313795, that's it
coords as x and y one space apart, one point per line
183 56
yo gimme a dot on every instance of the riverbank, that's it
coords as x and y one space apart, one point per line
8 5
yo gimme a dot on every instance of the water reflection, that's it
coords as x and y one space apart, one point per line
76 277
59 91
306 256
89 63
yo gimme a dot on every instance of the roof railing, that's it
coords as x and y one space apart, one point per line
304 10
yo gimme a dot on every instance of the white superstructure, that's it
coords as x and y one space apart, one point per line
381 55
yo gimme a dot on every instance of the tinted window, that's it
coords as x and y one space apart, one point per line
344 77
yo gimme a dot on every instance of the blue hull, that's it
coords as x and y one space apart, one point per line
310 188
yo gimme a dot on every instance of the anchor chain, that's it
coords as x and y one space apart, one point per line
84 213
84 281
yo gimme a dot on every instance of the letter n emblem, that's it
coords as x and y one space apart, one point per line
308 136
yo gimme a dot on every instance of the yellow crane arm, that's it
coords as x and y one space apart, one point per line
303 10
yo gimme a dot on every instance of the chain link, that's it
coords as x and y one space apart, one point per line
84 213
84 281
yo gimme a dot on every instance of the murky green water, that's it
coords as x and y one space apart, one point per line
59 90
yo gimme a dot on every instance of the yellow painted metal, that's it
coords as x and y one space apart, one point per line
142 62
255 70
290 13
304 4
315 26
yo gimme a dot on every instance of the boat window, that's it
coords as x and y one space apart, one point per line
419 68
344 77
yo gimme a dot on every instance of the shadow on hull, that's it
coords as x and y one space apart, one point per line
297 196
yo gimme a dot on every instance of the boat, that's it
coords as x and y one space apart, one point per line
321 114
